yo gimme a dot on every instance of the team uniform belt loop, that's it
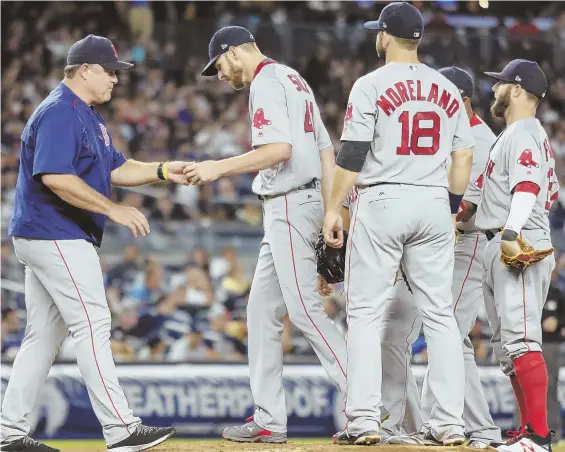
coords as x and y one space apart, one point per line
314 183
490 233
361 187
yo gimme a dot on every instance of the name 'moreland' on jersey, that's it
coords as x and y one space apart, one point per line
414 118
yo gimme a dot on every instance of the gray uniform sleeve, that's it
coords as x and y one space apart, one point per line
361 114
463 136
524 158
322 136
480 159
269 115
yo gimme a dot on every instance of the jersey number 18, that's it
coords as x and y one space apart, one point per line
410 140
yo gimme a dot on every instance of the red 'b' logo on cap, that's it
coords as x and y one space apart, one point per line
115 51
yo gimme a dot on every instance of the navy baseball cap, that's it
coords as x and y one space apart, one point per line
96 50
460 78
525 73
399 19
220 43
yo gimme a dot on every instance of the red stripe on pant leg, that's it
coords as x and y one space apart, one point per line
298 289
350 240
467 275
524 307
91 337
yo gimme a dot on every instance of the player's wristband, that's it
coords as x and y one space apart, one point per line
454 202
162 171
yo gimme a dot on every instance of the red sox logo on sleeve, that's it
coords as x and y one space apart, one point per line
526 159
259 120
479 181
105 135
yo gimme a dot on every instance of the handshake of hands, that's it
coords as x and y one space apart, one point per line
185 173
194 173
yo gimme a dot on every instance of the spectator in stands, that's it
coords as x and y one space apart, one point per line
11 333
189 348
122 277
220 265
250 213
150 288
166 210
236 283
226 338
129 336
10 267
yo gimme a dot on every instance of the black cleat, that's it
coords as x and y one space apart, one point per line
26 444
364 439
143 438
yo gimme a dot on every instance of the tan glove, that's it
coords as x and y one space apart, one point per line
526 257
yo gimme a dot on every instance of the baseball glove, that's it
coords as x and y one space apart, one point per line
528 256
330 261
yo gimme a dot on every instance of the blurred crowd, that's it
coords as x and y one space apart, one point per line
162 109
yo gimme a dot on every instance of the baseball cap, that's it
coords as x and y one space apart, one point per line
460 78
399 19
222 40
525 73
96 50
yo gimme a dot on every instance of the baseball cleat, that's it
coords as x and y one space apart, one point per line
478 444
26 444
415 439
364 439
252 433
384 414
528 440
453 439
143 438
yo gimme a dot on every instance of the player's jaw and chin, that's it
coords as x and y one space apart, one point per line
233 76
101 83
501 100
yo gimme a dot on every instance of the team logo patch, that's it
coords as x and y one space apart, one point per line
115 51
105 135
479 181
259 119
526 159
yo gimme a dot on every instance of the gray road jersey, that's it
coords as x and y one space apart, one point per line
414 118
522 153
282 109
484 139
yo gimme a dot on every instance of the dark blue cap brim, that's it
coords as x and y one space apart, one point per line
117 65
210 68
499 76
373 25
